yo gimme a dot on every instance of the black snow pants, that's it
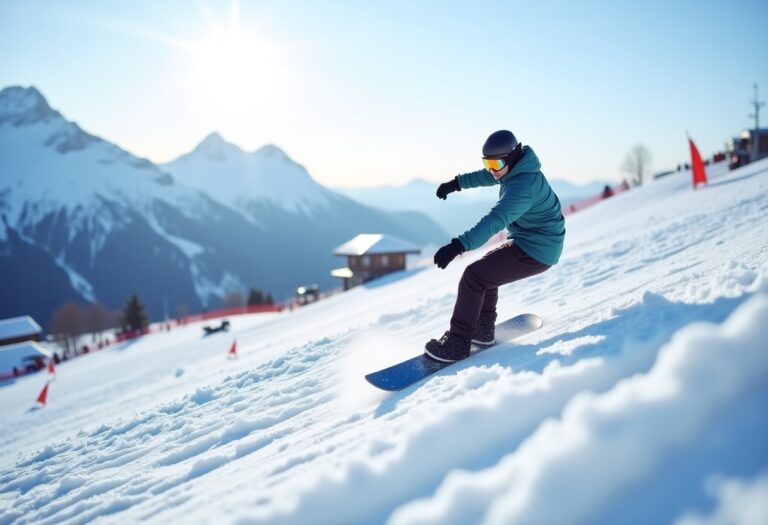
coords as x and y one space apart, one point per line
479 286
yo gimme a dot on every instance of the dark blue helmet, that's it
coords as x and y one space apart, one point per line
500 145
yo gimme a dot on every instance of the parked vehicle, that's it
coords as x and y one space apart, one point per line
307 294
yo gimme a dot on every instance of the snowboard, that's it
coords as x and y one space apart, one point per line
411 371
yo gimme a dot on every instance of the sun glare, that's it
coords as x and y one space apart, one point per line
236 69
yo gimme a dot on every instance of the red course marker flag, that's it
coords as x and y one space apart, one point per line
43 395
699 175
51 368
233 350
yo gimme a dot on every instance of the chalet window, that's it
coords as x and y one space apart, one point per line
385 260
365 260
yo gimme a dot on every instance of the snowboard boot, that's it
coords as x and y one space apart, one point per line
449 348
485 333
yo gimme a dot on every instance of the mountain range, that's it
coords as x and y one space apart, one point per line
83 220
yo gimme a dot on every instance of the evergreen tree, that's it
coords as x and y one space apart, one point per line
134 314
255 297
258 297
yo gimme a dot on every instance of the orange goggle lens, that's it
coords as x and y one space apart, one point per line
494 164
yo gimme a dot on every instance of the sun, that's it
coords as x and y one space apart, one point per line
237 68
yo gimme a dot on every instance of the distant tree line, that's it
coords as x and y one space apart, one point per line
256 297
72 321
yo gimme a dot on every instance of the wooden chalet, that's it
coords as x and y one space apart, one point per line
370 256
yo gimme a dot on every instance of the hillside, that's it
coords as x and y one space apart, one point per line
641 400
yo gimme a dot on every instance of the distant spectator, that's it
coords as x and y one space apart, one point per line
607 191
15 372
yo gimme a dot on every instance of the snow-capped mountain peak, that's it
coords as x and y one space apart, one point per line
21 106
242 179
215 148
271 151
27 109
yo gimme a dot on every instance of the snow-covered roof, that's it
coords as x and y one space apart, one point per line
18 327
375 243
343 273
13 355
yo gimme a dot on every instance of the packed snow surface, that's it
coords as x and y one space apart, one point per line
641 400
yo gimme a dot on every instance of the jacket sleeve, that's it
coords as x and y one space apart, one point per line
476 179
515 202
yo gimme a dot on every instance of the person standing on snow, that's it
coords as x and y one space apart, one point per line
530 210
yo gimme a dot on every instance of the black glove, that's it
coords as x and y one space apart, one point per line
447 253
448 187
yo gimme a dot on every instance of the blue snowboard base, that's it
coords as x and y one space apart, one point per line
411 371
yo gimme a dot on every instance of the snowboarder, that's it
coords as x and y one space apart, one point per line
530 211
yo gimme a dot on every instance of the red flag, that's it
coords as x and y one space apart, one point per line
699 175
233 350
43 395
51 368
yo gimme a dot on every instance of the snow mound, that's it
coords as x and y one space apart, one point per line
640 400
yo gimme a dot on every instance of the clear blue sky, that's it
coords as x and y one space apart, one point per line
370 93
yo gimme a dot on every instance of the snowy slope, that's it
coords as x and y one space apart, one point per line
641 400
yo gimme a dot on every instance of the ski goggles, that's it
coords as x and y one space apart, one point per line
494 164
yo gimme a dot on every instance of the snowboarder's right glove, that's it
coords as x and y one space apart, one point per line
447 253
448 187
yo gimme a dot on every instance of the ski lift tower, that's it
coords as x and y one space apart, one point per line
756 104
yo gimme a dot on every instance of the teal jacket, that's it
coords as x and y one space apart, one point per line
527 207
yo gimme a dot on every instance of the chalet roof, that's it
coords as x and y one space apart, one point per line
375 243
13 355
18 327
343 273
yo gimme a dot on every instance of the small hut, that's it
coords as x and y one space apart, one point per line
19 329
370 256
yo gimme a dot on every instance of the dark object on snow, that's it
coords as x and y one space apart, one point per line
223 327
307 294
411 371
33 363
